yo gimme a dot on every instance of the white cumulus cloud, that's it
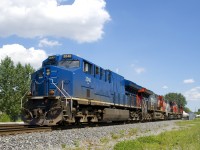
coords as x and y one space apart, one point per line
188 81
193 94
45 43
138 69
165 87
82 21
19 53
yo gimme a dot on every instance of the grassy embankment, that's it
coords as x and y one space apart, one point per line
187 138
4 118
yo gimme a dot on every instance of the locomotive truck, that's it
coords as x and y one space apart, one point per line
68 89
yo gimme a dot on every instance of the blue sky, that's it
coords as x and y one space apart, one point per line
153 43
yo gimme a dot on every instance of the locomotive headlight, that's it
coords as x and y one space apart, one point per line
51 92
48 72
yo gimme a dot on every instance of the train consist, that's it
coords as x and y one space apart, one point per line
69 89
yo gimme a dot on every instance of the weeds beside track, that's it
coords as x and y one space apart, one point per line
188 138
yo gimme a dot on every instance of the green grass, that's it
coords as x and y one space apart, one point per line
63 146
4 118
115 136
132 131
188 138
122 132
76 143
104 140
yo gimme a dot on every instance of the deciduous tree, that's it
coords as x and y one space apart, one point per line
176 97
14 83
187 110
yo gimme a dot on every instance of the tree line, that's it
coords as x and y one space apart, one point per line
15 83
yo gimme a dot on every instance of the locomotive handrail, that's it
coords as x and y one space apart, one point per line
71 105
58 88
66 91
23 98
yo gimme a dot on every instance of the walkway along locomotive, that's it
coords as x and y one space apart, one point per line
69 89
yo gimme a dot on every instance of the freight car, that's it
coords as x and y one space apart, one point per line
68 89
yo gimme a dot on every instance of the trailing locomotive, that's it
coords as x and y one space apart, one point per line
69 89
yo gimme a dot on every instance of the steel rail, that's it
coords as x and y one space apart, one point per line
21 129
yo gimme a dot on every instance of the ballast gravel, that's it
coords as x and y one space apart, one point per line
85 138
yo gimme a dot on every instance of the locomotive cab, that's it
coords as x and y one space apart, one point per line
55 78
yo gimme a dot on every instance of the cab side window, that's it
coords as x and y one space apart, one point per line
97 70
109 77
87 67
102 72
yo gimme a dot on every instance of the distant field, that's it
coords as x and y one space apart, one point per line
187 138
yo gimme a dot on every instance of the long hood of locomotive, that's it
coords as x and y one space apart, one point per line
50 81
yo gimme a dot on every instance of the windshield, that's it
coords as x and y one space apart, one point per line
69 63
50 62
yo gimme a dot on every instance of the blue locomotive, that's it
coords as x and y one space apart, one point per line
69 89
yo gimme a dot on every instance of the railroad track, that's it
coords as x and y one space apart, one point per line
13 129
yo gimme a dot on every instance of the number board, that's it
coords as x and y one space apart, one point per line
67 56
51 57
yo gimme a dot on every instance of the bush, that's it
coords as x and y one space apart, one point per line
4 118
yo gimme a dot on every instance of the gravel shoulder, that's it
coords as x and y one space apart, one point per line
97 138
